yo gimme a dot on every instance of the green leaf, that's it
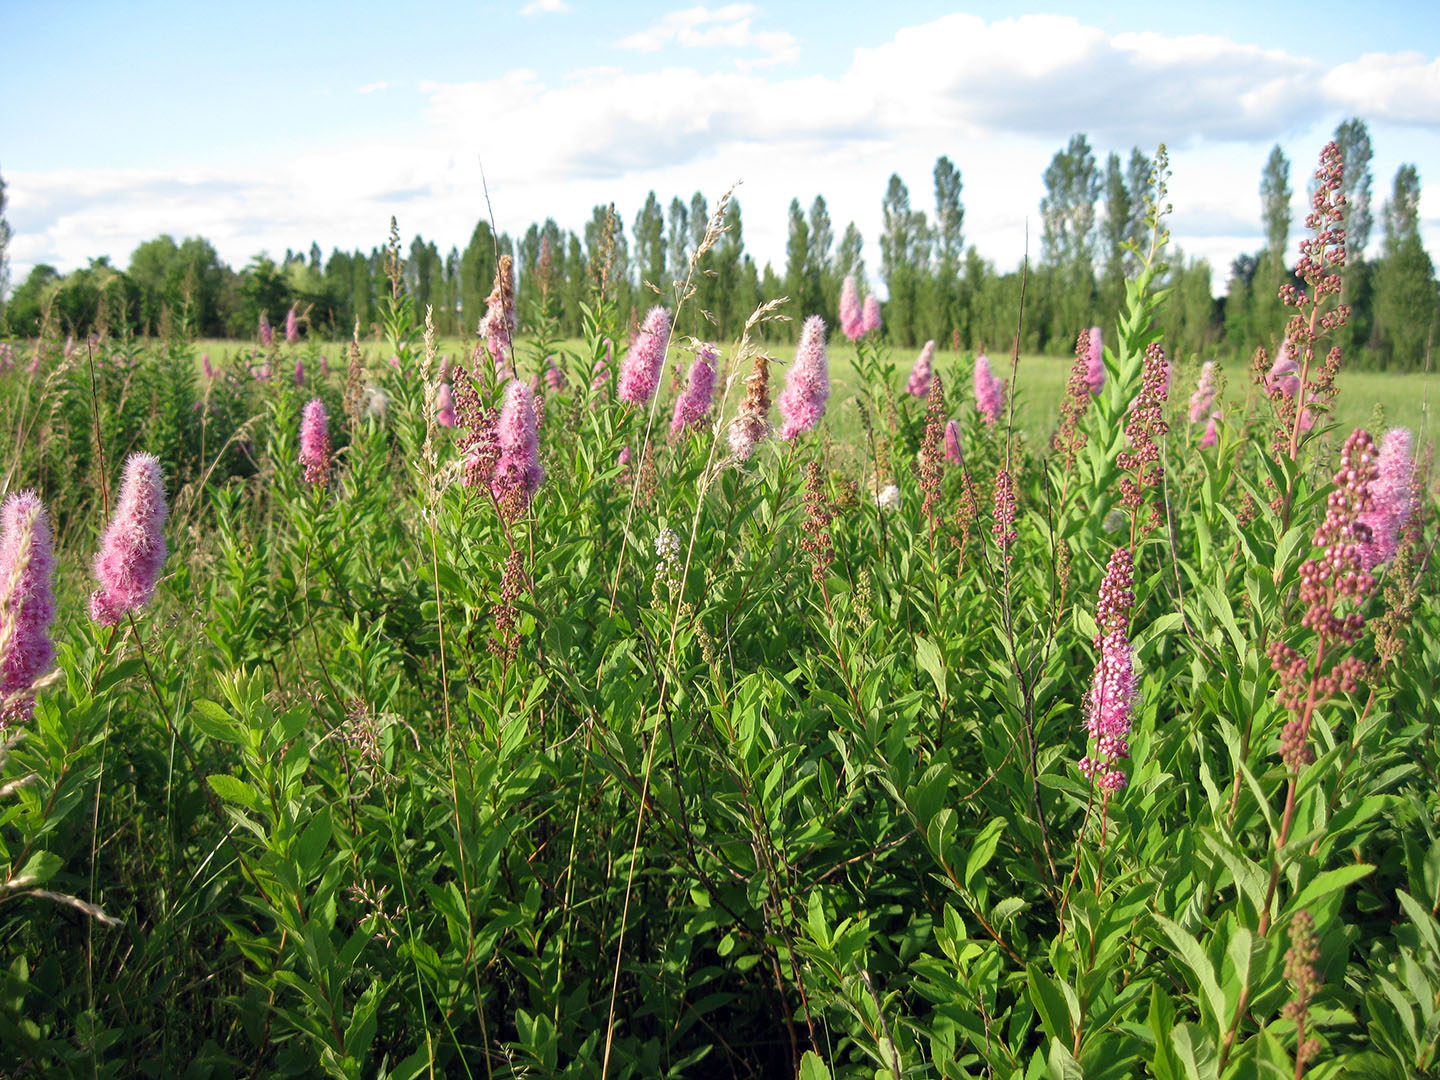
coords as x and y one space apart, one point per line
1200 967
927 656
1050 1003
213 720
233 789
812 1068
982 848
38 869
1328 882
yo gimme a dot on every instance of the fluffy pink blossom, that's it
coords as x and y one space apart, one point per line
640 370
554 377
324 367
205 365
989 391
299 372
1392 498
1204 395
693 405
871 320
1285 375
132 550
952 443
1111 701
852 318
1212 433
267 332
445 406
921 370
517 472
807 383
292 326
1095 362
315 443
27 602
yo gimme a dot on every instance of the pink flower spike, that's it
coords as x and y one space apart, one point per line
807 383
989 391
205 366
1285 375
871 321
27 603
640 370
1212 434
267 332
693 405
1392 498
445 406
1204 395
315 443
952 443
1095 362
517 471
921 370
133 548
852 318
292 326
554 377
299 373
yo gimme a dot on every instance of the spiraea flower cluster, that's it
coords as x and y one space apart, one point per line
27 603
1069 439
816 541
989 391
497 326
1110 706
640 370
1304 977
752 423
1003 510
1204 395
693 406
1145 428
1392 498
517 468
1095 361
478 439
852 318
133 548
870 321
315 443
932 449
920 372
1334 588
807 383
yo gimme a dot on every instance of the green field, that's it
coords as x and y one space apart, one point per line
1404 399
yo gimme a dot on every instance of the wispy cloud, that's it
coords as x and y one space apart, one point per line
726 28
370 88
545 7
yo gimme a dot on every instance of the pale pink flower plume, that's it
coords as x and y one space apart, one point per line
871 320
554 377
1111 701
952 443
132 550
205 366
315 442
692 406
1095 362
299 373
641 368
445 406
1392 498
267 332
1212 433
1204 395
1285 375
517 472
27 603
807 383
852 318
292 326
921 370
989 391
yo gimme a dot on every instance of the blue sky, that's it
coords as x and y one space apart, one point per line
270 125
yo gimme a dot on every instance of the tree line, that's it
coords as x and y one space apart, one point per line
1091 222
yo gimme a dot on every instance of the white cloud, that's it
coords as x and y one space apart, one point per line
724 28
370 88
998 98
544 7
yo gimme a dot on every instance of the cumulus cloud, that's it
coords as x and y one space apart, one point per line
724 28
998 97
544 7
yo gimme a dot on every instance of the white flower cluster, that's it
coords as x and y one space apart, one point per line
888 497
